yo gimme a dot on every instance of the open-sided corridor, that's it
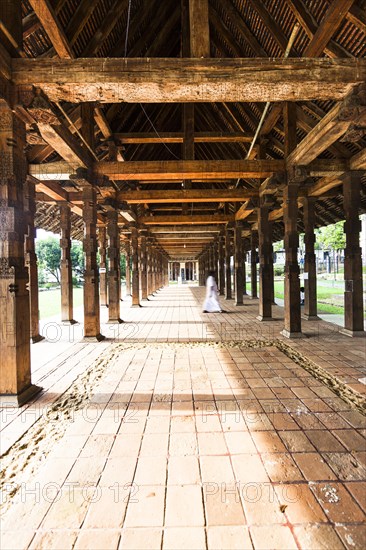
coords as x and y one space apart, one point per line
189 430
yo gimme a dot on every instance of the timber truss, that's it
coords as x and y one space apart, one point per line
163 112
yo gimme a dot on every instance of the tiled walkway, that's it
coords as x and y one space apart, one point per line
189 431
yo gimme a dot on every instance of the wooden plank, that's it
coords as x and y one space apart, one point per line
329 25
310 26
324 185
102 123
177 137
273 27
324 134
51 171
160 229
154 80
186 220
357 16
189 169
239 22
243 211
104 30
51 25
66 145
187 195
358 161
79 19
199 28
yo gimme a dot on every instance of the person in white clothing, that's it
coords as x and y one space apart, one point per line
211 303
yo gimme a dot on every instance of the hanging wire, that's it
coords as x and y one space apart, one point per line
142 107
128 25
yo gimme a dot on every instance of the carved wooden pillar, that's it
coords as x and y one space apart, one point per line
128 268
102 242
353 295
67 310
91 274
292 326
221 265
31 261
310 306
238 264
244 272
265 250
143 265
15 375
135 268
253 263
271 266
215 250
114 276
228 291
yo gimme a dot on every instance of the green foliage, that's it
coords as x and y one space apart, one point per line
331 236
123 266
279 270
49 256
77 258
278 246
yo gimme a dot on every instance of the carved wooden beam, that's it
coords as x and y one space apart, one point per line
154 80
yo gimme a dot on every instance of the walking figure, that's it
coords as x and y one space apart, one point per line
211 303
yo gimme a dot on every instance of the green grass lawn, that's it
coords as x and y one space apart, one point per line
330 298
50 302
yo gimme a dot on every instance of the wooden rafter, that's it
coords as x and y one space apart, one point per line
51 25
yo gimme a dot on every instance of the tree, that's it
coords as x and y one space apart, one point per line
332 236
49 256
77 258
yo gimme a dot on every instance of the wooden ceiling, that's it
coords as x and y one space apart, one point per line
163 138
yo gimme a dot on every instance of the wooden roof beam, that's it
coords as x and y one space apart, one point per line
154 80
177 137
187 195
65 144
310 26
324 134
47 16
179 170
333 18
186 220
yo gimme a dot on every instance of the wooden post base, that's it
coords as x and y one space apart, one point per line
288 334
97 338
261 318
114 321
311 317
17 400
37 338
69 322
353 333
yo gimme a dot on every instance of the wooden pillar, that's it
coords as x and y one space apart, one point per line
135 268
310 306
149 266
91 274
265 279
31 261
67 307
143 265
15 374
228 291
102 242
292 328
238 264
244 271
253 264
128 268
215 251
353 294
221 251
271 266
114 275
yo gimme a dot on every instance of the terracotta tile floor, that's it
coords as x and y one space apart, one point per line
171 435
